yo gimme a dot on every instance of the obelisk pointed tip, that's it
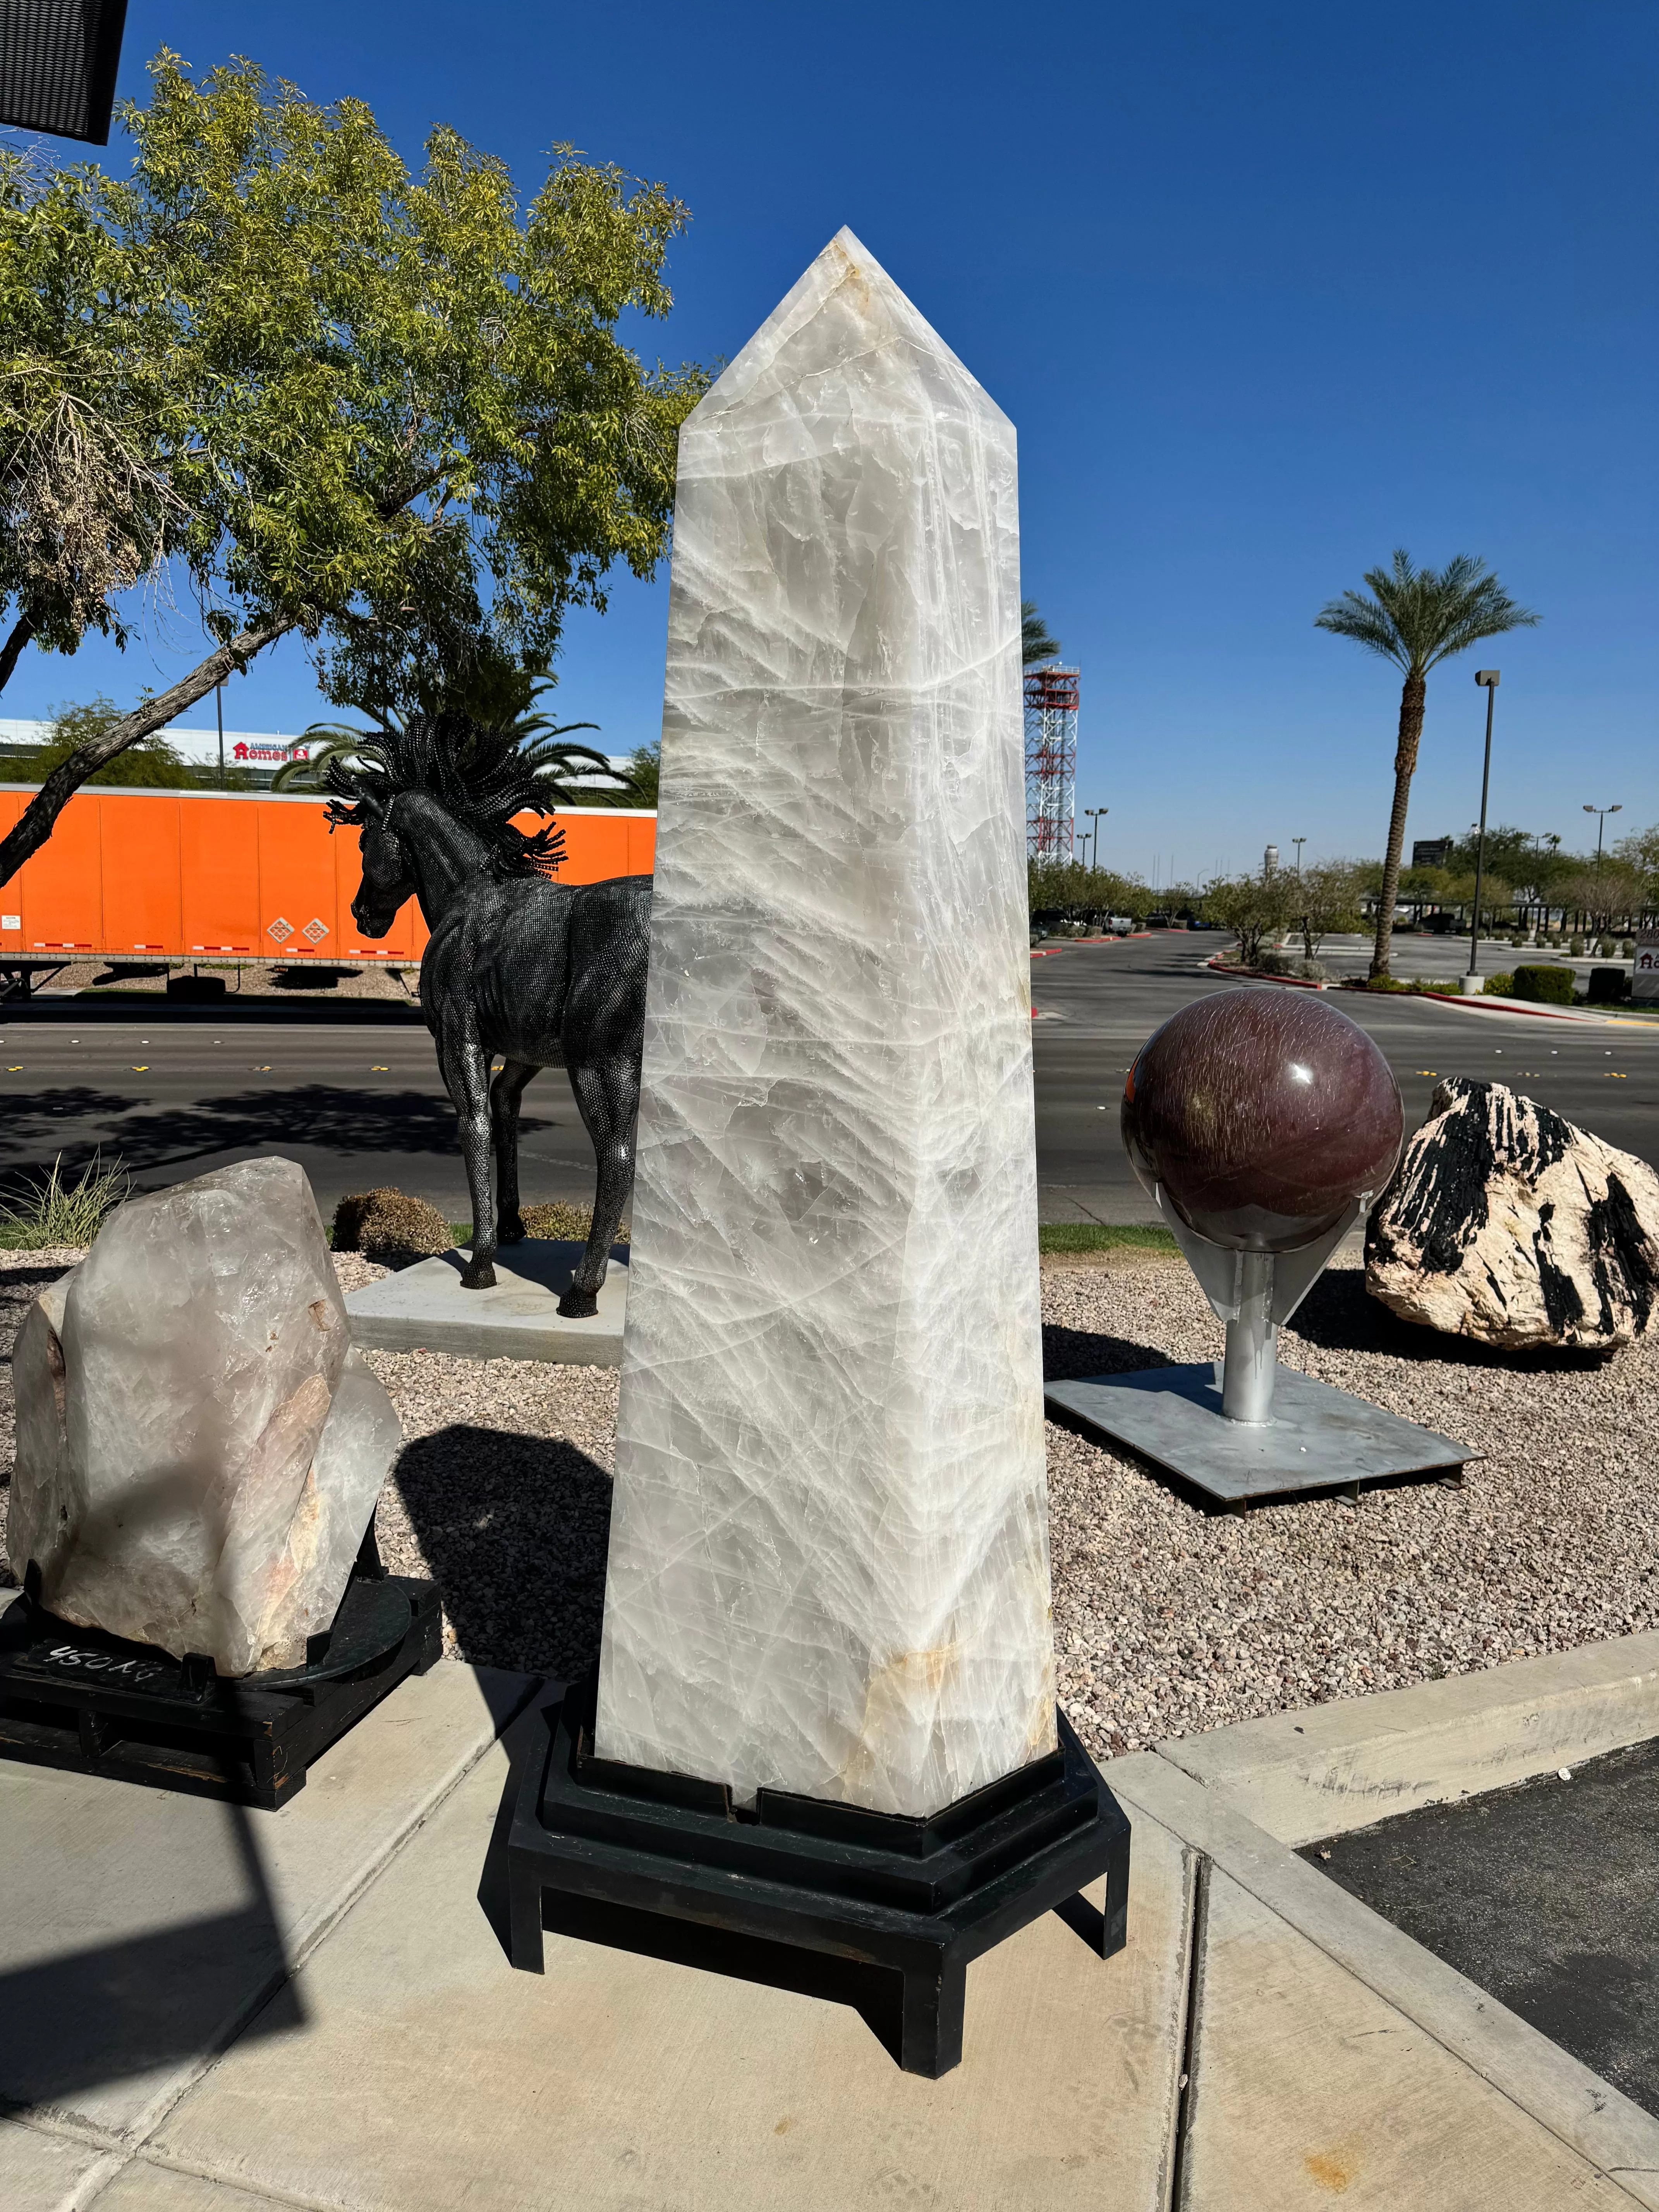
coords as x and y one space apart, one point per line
843 273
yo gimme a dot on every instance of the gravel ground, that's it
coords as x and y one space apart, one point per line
1168 1619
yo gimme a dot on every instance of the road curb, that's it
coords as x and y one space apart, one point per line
1593 2119
1327 1769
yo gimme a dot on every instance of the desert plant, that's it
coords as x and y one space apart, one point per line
1417 618
54 1211
562 1223
1500 986
387 1226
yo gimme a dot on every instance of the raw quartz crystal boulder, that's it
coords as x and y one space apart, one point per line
199 1449
1507 1223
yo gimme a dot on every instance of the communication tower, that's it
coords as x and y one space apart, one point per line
1051 706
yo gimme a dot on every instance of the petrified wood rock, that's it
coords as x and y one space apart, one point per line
1507 1223
199 1449
1262 1114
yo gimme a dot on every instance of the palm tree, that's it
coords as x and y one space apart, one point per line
498 696
1417 618
1035 643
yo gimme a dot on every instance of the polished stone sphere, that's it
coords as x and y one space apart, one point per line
1262 1113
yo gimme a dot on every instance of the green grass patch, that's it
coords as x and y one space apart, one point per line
1104 1237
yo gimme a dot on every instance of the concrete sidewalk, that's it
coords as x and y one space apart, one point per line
352 2037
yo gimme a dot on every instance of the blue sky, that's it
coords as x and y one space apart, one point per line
1267 290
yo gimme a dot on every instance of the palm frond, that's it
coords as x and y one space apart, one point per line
1037 643
1417 618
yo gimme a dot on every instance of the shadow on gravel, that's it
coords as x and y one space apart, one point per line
1071 1354
514 1528
1339 1315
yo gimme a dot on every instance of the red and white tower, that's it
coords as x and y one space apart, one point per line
1051 708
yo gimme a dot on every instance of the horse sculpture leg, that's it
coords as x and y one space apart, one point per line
505 1093
466 1068
608 1095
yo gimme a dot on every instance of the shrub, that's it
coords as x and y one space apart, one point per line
1500 986
56 1211
1544 987
1628 948
1605 948
561 1222
389 1226
1577 948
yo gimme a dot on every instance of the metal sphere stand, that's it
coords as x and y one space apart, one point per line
1245 1429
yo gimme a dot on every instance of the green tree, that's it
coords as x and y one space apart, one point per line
1035 643
645 769
1255 908
1323 897
151 764
1417 618
390 412
1067 890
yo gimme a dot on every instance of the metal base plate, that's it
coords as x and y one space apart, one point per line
1319 1439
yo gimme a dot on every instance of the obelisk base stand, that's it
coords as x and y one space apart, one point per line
920 1896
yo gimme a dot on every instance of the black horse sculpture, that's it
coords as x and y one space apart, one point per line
547 975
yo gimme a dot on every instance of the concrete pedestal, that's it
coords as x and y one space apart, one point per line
424 1309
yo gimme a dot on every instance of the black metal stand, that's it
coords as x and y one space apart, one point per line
921 1896
77 1697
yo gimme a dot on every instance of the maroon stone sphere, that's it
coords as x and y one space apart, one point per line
1262 1113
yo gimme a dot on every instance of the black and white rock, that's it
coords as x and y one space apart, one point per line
199 1449
1507 1223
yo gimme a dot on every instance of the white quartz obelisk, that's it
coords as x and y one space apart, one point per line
828 1566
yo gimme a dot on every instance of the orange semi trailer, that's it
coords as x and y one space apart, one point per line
208 875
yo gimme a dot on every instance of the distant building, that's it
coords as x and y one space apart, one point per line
257 753
1431 852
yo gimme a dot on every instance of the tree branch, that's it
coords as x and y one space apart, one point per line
22 631
35 825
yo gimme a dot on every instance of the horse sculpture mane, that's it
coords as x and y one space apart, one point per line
480 777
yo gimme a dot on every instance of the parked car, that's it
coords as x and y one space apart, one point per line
1119 925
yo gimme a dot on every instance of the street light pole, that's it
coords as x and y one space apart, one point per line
1487 678
1094 813
1298 843
1601 813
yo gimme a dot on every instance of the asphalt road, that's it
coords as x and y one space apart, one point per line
359 1105
1096 1004
1545 1895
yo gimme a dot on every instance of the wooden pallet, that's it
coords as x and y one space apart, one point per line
75 1697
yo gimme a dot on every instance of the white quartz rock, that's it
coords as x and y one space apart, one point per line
199 1449
829 1566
